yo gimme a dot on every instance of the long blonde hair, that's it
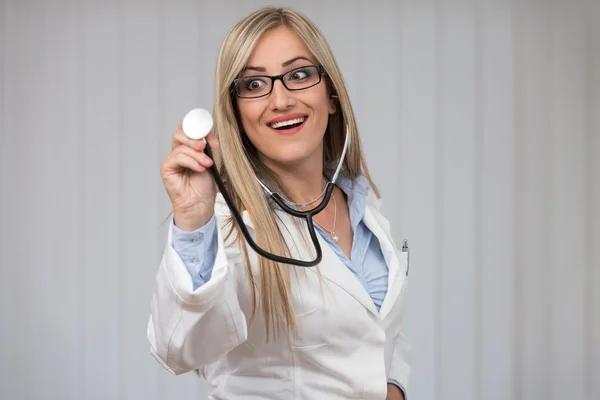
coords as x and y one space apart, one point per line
241 164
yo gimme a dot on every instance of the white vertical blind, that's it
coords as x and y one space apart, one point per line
592 298
495 223
568 170
101 191
532 132
418 188
456 145
481 124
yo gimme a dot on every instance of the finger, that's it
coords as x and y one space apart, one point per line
179 138
199 156
182 160
177 162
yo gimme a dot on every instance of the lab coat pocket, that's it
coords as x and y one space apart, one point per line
312 330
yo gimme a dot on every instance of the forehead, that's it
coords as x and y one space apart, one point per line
277 46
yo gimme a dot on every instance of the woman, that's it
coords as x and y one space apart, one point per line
254 328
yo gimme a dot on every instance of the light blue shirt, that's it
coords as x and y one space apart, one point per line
197 249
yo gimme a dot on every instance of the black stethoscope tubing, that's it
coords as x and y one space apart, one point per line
307 215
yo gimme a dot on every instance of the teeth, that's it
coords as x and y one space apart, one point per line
286 123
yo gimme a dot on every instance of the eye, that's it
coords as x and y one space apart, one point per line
254 84
300 74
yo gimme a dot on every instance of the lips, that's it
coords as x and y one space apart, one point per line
288 124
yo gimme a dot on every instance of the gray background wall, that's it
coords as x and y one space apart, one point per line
481 123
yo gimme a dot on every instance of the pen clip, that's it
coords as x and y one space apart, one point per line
406 249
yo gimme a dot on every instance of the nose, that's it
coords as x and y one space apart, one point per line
281 98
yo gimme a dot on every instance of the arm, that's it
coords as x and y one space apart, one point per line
399 373
197 250
189 328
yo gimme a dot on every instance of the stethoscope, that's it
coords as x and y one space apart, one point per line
196 125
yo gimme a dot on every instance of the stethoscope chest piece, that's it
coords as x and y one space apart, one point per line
197 124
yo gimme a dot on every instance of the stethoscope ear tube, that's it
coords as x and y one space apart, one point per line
300 214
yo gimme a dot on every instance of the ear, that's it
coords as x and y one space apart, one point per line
332 104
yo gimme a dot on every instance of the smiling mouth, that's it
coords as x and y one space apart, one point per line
290 124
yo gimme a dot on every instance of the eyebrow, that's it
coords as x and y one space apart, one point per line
285 64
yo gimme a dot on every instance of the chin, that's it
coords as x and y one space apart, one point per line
292 155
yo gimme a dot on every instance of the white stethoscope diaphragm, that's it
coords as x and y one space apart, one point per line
197 124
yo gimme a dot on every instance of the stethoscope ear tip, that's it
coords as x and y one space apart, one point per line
197 124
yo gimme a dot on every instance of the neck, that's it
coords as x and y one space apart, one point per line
302 182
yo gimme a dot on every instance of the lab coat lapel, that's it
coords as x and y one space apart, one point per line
334 270
331 267
379 225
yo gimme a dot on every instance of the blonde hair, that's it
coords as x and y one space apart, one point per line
241 164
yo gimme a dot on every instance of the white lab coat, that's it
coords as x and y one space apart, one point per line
344 349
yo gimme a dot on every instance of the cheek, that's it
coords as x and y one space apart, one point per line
250 113
322 109
322 103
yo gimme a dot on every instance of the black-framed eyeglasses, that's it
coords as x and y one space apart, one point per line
252 87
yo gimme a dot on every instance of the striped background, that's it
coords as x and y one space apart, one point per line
481 122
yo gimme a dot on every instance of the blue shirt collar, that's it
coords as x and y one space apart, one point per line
357 191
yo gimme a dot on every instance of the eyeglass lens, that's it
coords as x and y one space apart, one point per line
297 79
